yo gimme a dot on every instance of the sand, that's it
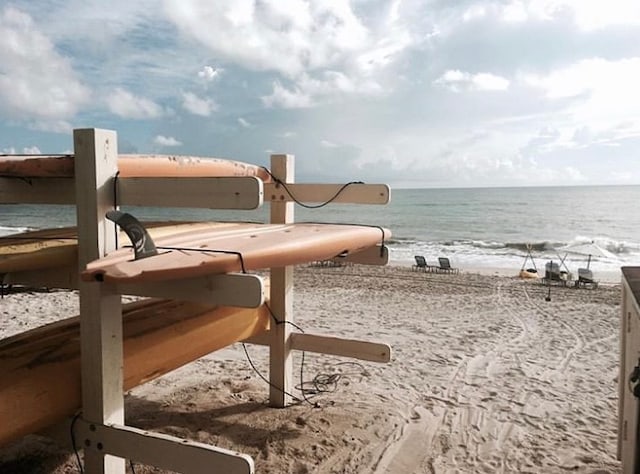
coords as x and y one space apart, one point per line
486 377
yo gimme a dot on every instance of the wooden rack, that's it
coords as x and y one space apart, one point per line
101 430
629 377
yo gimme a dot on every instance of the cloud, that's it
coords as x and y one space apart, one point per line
166 141
28 150
457 81
127 105
587 15
53 126
328 144
32 150
597 93
287 99
36 82
209 73
308 91
196 105
288 37
543 85
319 51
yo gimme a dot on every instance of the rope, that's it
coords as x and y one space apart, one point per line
116 203
190 249
381 229
279 182
73 441
37 154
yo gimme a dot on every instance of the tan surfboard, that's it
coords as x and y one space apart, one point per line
40 369
132 166
52 248
236 248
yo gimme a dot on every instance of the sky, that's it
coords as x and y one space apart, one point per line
415 94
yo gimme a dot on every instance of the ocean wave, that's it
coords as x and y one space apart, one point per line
613 246
4 230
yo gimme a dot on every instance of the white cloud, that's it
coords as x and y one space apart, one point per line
489 82
307 91
244 123
604 93
328 144
209 73
28 150
127 105
281 97
591 14
588 15
515 12
272 35
473 12
54 126
166 141
384 51
322 50
31 150
458 81
573 174
36 82
196 105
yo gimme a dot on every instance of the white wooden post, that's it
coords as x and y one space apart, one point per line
96 154
281 294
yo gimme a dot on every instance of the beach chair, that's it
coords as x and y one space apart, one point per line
421 264
553 274
585 279
551 271
445 266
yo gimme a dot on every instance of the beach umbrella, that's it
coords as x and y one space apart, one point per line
590 249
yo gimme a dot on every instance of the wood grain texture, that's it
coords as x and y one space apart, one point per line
52 248
247 247
133 166
40 369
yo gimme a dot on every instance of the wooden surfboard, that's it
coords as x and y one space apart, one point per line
237 248
133 166
52 248
40 369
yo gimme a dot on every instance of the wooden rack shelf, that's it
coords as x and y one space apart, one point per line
105 438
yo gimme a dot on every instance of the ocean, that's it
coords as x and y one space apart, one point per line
475 228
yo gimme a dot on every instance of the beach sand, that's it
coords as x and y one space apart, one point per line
486 377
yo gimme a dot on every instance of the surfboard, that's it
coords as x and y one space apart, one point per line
52 248
132 166
237 248
40 369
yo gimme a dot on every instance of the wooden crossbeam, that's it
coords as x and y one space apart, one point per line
336 193
233 289
160 450
37 191
330 345
244 192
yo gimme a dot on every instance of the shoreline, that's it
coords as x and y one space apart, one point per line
603 277
486 376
